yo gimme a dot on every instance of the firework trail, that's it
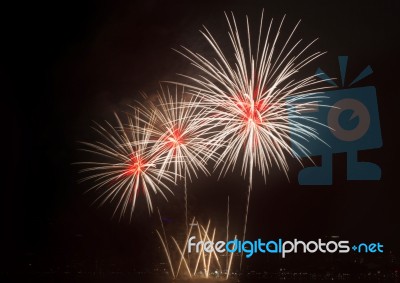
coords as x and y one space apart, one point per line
256 99
164 243
180 134
203 261
130 165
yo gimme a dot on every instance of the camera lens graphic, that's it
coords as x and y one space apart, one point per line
358 110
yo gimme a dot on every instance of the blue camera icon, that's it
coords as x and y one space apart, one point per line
348 122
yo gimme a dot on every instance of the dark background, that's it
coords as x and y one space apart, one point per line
66 63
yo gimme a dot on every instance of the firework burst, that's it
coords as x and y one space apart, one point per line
179 132
253 96
257 99
130 165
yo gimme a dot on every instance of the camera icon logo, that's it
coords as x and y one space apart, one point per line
349 123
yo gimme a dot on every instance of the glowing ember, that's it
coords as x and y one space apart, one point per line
174 140
136 166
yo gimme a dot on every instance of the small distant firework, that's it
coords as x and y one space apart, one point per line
256 98
129 165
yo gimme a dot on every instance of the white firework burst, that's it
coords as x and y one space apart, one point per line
180 134
129 165
256 98
179 131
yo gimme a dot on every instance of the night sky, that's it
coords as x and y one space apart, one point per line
65 64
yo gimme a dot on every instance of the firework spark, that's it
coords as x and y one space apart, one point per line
130 165
257 99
